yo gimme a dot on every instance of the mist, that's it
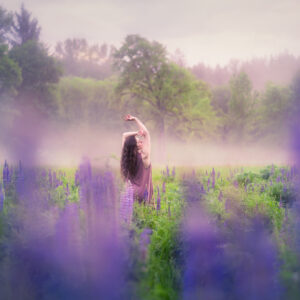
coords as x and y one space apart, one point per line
66 146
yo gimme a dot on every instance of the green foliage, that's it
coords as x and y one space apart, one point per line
160 278
169 94
10 73
241 105
88 100
274 112
246 178
266 172
38 68
39 73
220 102
284 193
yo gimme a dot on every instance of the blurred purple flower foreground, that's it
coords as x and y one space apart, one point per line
74 252
226 261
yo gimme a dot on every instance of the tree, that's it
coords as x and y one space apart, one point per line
275 106
220 102
81 59
167 92
10 73
25 28
241 105
88 101
6 21
39 72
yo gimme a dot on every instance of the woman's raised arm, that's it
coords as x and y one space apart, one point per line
143 131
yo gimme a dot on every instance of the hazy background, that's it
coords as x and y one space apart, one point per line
212 32
215 82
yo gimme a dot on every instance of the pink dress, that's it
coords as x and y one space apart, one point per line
142 183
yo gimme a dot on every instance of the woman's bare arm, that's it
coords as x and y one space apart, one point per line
143 131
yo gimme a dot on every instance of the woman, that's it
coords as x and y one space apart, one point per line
136 166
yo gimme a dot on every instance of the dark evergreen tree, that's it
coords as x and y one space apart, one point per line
25 28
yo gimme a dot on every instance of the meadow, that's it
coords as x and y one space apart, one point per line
214 233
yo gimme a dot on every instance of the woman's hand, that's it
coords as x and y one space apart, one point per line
129 118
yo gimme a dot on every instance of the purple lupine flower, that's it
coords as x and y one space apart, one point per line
144 242
54 178
227 205
193 189
164 187
206 268
173 172
126 206
1 198
158 200
57 183
236 184
77 177
278 179
262 188
259 256
50 178
287 175
272 169
167 171
67 191
81 257
202 189
213 175
207 186
169 209
213 183
5 175
20 180
220 196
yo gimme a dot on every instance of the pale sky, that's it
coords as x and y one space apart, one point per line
208 31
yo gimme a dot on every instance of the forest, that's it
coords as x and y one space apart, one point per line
75 82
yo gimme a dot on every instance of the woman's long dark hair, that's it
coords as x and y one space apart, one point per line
129 160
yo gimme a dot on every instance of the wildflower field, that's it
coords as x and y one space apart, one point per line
215 233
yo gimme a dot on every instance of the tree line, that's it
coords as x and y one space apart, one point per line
96 84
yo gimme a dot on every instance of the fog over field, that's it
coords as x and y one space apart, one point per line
66 147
